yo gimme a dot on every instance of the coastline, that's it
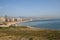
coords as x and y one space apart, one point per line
35 28
11 23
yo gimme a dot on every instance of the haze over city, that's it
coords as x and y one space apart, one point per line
30 8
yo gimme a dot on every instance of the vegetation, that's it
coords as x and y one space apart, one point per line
25 33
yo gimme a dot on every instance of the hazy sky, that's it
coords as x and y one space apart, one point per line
37 8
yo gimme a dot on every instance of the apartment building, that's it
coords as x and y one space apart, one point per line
11 19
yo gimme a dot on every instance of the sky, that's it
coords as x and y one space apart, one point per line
30 8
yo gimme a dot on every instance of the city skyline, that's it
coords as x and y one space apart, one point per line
30 8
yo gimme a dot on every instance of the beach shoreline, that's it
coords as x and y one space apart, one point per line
7 24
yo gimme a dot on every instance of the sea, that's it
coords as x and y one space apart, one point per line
47 24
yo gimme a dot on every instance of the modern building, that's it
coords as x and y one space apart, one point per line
10 20
13 19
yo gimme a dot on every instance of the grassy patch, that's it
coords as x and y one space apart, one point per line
40 34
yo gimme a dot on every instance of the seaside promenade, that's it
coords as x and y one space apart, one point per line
7 24
8 21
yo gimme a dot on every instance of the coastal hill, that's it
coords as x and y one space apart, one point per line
27 33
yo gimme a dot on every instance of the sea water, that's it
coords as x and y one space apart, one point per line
49 24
